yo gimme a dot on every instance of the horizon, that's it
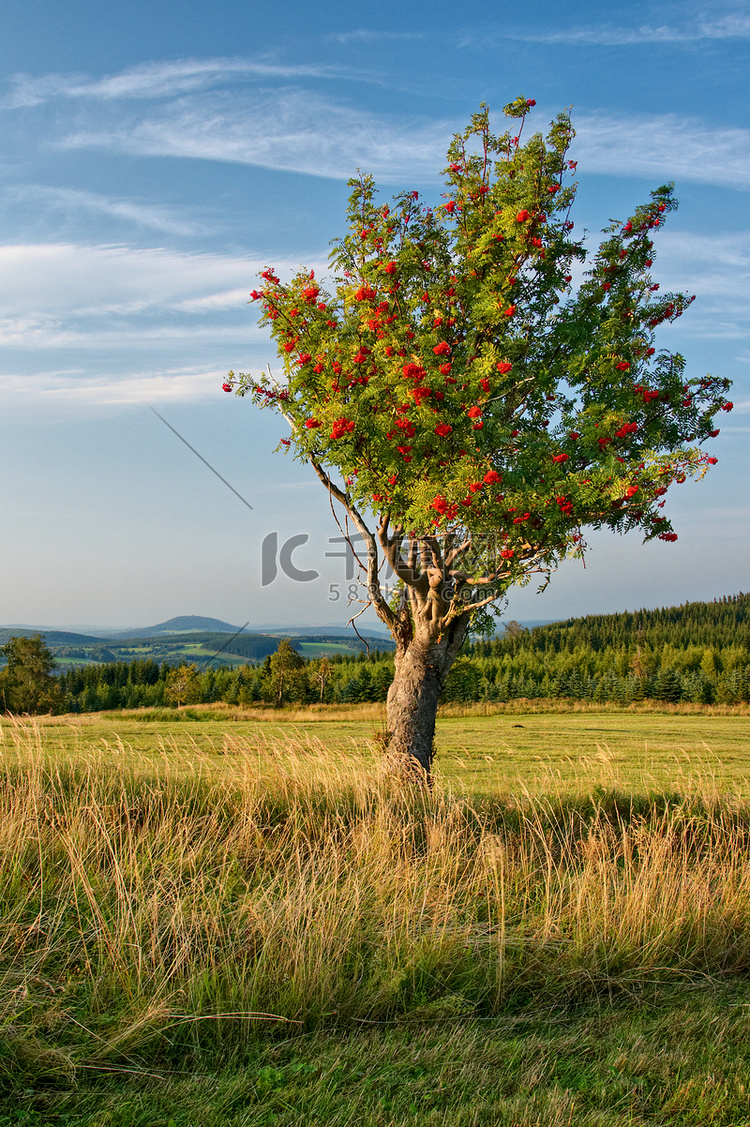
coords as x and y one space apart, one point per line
273 627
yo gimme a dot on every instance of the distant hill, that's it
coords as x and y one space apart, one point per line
194 623
183 624
51 637
372 631
212 643
201 639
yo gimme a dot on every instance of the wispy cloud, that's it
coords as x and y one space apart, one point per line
669 146
64 279
108 304
166 385
123 333
154 80
53 278
297 131
368 35
196 109
213 302
155 217
716 268
721 261
286 129
610 35
120 325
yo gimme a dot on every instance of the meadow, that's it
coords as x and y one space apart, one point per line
212 917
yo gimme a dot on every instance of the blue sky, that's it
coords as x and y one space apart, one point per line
154 158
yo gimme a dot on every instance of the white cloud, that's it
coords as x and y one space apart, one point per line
368 36
168 385
716 268
121 325
226 299
49 280
668 145
153 80
128 335
297 130
718 264
608 35
95 311
287 129
153 216
120 299
198 109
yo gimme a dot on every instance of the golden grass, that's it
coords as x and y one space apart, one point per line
159 901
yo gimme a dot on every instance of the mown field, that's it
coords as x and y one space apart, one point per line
479 748
220 920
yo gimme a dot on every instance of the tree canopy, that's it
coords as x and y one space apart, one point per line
27 683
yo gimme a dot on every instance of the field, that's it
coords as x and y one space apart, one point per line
232 919
480 749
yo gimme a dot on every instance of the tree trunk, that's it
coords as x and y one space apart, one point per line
422 665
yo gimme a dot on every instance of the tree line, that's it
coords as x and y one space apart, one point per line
284 677
699 652
28 683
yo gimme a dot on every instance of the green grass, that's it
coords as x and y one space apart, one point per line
488 754
678 1058
232 921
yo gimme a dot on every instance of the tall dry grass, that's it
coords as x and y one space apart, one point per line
153 910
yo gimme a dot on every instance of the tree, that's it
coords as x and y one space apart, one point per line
322 675
668 686
27 683
287 676
183 685
470 407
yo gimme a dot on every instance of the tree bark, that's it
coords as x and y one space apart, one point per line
422 665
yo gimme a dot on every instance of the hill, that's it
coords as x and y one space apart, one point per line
721 623
52 637
224 646
182 624
697 653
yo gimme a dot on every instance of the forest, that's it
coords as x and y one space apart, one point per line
697 652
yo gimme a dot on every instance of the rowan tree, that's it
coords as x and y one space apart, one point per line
476 389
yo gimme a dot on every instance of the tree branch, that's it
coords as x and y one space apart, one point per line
374 592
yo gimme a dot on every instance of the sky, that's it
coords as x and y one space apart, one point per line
155 157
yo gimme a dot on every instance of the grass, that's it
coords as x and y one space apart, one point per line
479 750
601 1067
220 924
